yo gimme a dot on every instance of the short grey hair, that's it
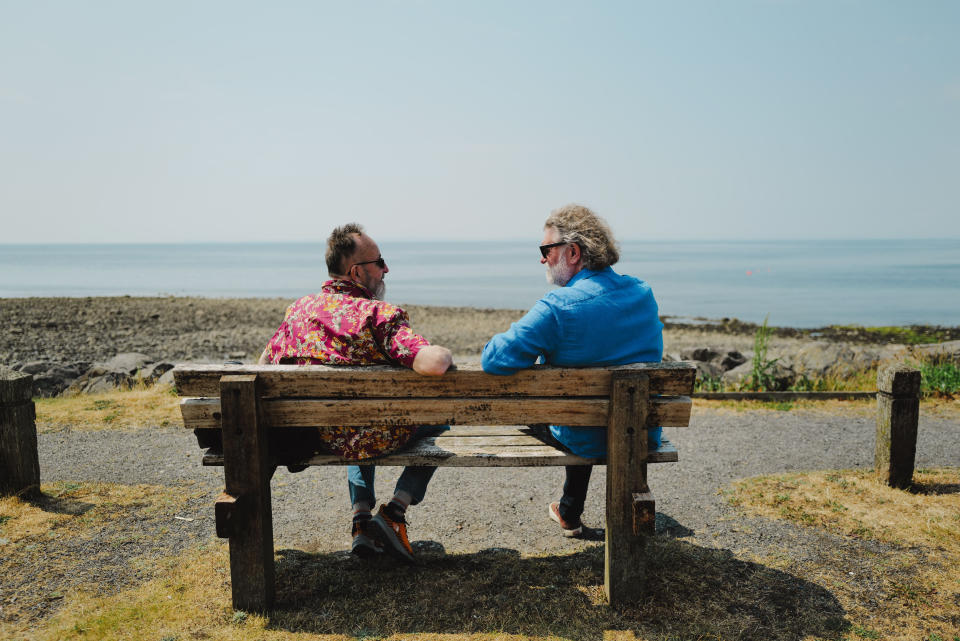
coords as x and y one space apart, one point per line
577 224
340 246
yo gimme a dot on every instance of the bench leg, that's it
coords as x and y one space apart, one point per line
244 510
630 505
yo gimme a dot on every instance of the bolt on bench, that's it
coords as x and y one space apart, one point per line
249 405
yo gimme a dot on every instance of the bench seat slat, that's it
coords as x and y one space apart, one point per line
664 411
668 379
459 451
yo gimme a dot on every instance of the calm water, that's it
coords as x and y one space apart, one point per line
798 283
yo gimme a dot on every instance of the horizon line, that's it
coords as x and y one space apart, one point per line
383 239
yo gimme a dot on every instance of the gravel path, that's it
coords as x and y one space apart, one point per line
467 510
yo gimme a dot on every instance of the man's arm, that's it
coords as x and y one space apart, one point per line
432 360
518 348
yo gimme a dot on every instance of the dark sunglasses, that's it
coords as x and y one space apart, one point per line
545 249
380 262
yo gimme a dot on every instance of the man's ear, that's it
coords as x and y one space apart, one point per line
575 253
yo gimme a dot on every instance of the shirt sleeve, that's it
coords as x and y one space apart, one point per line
397 340
536 334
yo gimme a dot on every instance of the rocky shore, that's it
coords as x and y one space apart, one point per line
92 344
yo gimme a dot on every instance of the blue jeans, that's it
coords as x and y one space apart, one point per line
413 480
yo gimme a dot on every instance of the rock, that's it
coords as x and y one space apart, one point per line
128 362
708 370
820 360
36 367
704 354
56 379
732 360
782 376
166 379
153 372
940 352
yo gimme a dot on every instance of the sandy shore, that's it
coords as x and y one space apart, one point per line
65 330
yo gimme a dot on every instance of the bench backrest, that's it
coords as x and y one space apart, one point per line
316 395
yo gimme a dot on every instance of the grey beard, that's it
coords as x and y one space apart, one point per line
558 274
381 291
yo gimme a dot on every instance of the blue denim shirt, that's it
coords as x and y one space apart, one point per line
599 318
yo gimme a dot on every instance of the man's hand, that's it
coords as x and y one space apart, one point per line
432 360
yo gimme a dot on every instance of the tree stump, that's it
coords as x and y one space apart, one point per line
19 462
898 413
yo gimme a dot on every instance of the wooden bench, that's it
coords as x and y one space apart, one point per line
488 415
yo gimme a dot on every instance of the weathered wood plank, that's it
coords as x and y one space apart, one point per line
625 565
668 379
669 411
247 472
477 454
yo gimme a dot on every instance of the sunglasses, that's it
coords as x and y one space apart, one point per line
545 249
380 262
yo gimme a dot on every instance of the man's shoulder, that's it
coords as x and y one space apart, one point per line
595 284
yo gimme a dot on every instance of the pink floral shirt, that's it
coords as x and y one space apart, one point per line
342 325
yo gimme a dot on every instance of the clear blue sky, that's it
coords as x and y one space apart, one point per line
240 121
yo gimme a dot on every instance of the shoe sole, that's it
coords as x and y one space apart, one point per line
570 534
364 547
391 542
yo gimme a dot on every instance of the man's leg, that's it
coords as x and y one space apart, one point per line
410 490
360 480
567 512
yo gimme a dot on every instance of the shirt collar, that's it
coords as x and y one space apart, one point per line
582 274
347 287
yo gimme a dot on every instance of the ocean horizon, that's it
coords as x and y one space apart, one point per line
808 283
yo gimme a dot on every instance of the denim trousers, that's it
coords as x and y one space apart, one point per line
413 480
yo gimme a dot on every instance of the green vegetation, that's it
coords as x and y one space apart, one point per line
939 378
914 335
761 377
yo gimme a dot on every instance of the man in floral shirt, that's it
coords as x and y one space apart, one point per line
348 323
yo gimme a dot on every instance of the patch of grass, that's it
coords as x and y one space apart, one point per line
77 538
693 593
900 335
914 581
143 406
940 378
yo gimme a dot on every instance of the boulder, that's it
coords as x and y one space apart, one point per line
56 379
154 371
819 360
939 352
708 370
128 362
732 360
782 375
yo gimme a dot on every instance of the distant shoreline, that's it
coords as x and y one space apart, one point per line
58 339
860 334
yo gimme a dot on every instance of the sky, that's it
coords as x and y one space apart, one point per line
171 121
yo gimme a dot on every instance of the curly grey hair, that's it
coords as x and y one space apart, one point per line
340 247
577 224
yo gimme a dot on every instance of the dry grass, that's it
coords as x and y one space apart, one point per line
143 406
914 585
905 586
936 407
79 537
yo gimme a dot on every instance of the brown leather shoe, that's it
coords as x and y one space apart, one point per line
575 529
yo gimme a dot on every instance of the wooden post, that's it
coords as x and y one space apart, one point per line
898 412
626 479
247 471
19 461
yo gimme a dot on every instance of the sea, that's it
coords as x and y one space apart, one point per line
795 283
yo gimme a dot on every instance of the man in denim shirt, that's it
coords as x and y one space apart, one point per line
597 317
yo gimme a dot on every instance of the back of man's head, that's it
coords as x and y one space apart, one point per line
340 247
577 224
